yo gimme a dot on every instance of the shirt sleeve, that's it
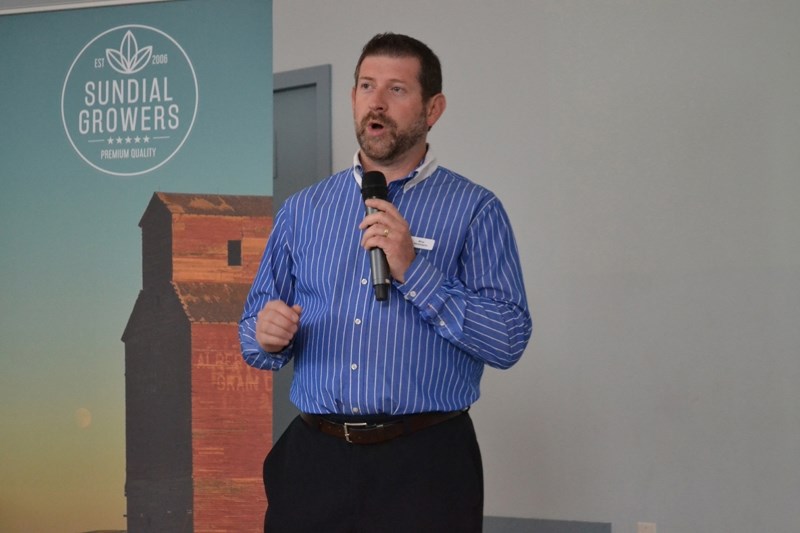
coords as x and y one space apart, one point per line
272 282
483 310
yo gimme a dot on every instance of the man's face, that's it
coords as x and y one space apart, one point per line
390 118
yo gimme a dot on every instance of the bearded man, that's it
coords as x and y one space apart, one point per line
384 441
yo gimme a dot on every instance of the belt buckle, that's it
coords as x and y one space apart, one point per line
348 425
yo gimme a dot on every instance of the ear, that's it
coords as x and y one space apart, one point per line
436 106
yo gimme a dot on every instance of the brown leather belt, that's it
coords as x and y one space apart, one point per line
375 433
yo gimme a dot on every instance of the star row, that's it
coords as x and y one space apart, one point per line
129 140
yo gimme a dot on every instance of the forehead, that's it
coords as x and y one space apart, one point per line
381 67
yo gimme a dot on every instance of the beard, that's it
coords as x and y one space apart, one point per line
395 142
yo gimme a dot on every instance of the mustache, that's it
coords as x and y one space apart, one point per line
377 117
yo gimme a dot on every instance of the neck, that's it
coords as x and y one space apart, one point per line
398 168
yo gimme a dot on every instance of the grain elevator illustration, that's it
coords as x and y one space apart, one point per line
198 419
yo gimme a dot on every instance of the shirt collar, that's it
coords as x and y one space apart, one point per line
426 167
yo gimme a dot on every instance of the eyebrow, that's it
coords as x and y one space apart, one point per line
391 80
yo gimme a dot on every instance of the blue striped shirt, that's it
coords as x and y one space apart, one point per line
462 305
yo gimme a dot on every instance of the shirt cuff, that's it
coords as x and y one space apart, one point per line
424 289
266 360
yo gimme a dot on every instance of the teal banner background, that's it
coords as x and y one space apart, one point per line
71 246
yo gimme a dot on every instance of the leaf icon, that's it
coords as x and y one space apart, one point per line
141 59
116 61
129 59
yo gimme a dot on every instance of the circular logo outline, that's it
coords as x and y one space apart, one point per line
194 111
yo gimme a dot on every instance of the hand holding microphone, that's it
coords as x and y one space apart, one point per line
386 235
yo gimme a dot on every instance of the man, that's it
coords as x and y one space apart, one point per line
384 441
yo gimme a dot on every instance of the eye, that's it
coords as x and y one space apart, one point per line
398 90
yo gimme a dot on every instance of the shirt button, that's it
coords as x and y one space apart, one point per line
357 321
413 294
441 322
354 367
355 410
364 281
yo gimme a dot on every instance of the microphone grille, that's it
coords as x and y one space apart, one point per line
373 185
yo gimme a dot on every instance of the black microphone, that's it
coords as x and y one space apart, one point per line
373 185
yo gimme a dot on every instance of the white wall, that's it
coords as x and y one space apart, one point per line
647 153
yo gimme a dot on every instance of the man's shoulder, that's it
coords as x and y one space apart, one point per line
444 177
334 184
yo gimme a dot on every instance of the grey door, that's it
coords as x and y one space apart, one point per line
302 156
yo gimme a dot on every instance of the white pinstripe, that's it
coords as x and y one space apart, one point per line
462 306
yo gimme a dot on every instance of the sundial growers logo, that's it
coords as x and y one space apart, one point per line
129 100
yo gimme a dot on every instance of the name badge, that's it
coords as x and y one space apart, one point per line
421 243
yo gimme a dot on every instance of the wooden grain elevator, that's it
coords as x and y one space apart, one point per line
198 419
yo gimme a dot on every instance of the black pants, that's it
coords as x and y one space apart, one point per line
429 481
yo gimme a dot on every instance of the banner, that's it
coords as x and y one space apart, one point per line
105 114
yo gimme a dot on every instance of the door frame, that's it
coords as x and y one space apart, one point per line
320 77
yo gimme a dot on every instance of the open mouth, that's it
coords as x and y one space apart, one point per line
375 126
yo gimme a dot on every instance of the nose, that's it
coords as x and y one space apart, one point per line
377 101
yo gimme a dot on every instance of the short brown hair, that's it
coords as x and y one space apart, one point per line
397 45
